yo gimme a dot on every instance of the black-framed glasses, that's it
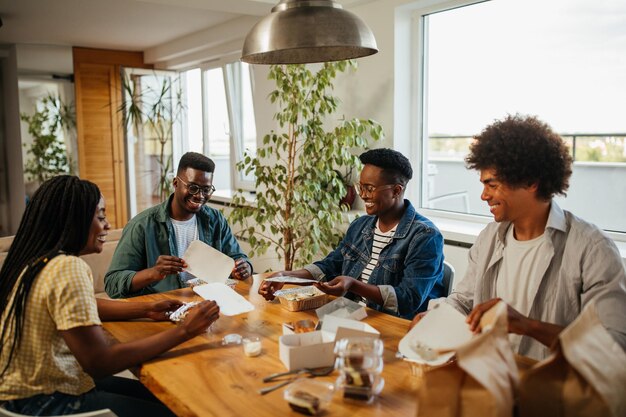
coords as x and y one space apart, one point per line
371 189
195 188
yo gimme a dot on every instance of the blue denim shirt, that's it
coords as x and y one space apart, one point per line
151 234
410 268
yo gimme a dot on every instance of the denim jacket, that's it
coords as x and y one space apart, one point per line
151 234
410 267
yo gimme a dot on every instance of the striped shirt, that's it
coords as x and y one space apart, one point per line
381 240
185 231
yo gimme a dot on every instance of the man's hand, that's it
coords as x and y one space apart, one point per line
166 265
518 323
338 286
417 319
242 270
545 333
267 289
200 317
157 310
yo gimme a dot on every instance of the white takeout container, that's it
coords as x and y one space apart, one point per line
316 349
343 308
442 330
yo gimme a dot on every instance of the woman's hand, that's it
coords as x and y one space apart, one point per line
200 317
157 310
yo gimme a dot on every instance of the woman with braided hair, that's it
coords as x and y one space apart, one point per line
52 345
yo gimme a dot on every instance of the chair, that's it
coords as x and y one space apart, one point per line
448 278
100 413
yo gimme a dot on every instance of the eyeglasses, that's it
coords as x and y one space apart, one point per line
195 189
371 189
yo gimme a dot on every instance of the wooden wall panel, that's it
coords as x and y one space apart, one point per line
101 149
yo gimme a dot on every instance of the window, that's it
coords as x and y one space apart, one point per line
563 60
220 120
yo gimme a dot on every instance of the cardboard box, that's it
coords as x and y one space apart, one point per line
317 349
343 308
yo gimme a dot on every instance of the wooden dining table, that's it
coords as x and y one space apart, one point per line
204 377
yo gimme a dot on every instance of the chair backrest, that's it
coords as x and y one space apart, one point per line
448 278
100 413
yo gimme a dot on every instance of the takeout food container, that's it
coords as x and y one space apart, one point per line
343 308
301 298
426 345
308 396
316 349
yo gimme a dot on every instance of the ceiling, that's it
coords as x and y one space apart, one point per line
134 25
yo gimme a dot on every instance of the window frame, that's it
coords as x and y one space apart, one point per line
235 139
410 21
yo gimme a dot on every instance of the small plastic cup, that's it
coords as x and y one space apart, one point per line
252 346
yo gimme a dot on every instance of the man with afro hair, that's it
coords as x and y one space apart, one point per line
544 262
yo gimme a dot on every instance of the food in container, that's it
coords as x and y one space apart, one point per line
301 298
308 396
178 315
360 364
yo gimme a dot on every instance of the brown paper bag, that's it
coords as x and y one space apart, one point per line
584 377
448 391
481 382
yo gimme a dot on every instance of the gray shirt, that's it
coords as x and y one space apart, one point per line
580 264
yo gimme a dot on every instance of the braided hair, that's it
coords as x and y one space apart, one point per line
56 220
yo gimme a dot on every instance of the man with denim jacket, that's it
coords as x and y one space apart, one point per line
148 259
544 262
392 257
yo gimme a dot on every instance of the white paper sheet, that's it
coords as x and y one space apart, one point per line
207 263
442 329
291 280
229 301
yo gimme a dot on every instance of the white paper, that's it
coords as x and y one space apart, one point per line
442 329
229 301
207 263
290 280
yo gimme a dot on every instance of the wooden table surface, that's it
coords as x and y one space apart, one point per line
203 378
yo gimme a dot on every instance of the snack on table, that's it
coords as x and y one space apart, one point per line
195 281
301 298
358 378
308 396
178 316
303 402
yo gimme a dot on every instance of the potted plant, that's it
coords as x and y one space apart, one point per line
48 152
298 171
151 111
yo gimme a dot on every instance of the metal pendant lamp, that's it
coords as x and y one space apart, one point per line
305 31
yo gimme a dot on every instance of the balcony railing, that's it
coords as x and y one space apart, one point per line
584 147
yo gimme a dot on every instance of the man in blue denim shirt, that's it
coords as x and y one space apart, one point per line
393 257
147 257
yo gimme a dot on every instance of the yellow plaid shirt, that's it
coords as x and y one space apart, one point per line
62 298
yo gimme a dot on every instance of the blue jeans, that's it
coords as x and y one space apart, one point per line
125 397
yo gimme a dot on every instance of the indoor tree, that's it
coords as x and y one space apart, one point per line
298 170
47 153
